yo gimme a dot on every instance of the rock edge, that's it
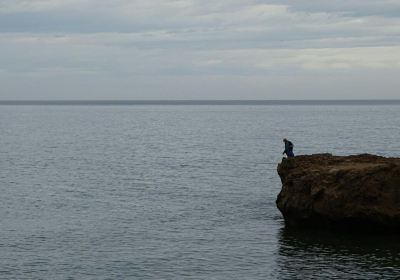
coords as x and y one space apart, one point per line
353 192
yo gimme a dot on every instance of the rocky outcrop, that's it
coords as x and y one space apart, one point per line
357 192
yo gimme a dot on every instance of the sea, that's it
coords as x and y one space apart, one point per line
178 189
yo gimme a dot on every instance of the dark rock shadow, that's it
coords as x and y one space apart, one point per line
311 254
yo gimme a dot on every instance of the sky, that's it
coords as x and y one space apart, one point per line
199 49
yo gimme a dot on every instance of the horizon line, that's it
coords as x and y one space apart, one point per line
202 102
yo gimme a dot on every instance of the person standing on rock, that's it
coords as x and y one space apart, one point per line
288 148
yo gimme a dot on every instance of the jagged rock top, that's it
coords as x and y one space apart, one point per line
326 162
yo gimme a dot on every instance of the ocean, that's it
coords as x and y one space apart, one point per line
178 190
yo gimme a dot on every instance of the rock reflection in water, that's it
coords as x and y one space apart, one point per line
336 255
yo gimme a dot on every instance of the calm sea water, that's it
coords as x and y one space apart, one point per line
177 192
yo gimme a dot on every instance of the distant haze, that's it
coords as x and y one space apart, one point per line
199 49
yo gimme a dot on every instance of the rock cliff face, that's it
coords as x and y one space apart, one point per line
357 192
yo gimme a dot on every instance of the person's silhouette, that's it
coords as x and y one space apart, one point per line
288 148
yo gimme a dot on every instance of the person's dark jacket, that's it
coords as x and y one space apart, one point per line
288 149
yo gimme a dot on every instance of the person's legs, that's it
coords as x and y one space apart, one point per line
290 154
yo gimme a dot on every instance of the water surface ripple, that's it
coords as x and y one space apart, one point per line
176 192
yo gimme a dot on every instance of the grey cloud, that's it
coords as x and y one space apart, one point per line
42 22
356 8
228 48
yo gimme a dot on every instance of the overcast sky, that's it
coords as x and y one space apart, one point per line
199 49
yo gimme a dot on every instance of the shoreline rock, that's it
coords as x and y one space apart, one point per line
351 192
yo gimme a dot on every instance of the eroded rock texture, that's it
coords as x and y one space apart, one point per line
357 192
